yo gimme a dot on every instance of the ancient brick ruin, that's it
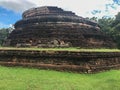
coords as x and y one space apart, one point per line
53 27
85 62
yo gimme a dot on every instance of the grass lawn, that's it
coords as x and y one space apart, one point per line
63 49
17 78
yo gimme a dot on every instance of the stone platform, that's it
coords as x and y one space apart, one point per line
75 61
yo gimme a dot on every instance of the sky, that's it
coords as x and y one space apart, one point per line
11 10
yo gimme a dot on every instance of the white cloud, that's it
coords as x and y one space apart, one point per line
16 5
2 25
80 7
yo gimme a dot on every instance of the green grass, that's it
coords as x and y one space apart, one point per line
16 78
63 49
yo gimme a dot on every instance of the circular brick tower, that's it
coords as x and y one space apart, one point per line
53 27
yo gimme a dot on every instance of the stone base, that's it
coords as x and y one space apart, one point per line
85 62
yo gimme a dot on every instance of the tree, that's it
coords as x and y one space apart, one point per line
4 32
105 24
116 29
111 26
94 19
117 20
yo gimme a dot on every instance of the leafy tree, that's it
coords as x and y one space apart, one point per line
94 19
4 32
105 24
116 29
110 26
117 20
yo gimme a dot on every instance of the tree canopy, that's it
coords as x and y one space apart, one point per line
4 32
111 26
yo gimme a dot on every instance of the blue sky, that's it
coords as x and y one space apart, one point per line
11 10
8 17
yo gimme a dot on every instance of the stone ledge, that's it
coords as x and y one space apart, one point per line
86 62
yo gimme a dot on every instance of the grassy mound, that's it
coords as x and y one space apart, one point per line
33 79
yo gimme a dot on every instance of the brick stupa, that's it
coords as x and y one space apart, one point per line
50 26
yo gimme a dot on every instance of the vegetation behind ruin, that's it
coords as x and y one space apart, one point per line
110 26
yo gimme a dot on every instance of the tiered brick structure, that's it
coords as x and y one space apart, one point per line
53 27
